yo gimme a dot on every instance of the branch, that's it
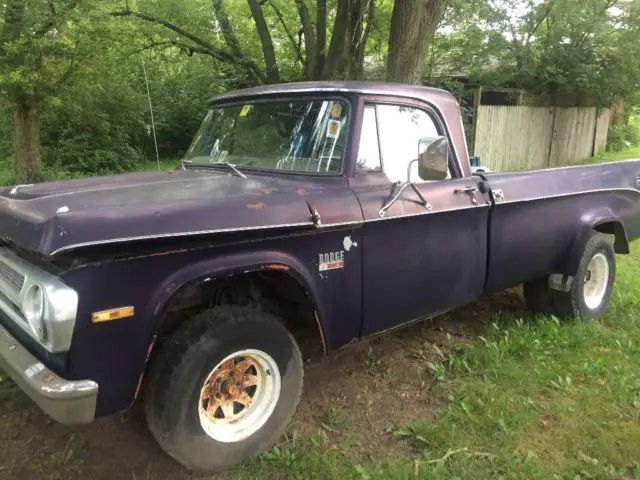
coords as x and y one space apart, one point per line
445 457
56 17
225 27
201 45
587 33
166 24
449 454
67 74
190 49
362 42
542 18
292 39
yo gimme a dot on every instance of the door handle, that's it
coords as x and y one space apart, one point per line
460 191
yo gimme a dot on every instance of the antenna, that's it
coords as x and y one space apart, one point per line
153 123
146 81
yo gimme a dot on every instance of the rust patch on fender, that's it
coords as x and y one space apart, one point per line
324 344
257 206
146 361
276 266
265 191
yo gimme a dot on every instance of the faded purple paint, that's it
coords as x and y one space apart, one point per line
139 239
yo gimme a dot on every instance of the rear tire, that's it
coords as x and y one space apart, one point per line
592 286
223 388
591 289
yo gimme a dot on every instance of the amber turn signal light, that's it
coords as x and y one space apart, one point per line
113 314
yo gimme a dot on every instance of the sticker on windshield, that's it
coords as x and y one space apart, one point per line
333 129
336 110
245 110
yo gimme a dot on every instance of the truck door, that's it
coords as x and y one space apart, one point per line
416 261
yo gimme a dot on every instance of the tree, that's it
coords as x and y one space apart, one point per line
413 25
313 59
38 53
579 51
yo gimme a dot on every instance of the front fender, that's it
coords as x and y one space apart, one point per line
229 265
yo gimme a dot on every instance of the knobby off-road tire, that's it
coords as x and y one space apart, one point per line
202 360
591 289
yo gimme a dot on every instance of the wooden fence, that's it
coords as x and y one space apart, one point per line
529 138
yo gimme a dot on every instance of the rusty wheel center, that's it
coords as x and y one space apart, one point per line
238 393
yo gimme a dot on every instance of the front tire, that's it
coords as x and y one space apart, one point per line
224 387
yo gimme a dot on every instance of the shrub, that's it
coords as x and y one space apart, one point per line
623 136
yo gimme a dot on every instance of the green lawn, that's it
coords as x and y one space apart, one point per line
633 152
529 398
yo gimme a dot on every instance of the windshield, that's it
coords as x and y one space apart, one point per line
306 136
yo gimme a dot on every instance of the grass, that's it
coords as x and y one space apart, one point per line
632 152
530 398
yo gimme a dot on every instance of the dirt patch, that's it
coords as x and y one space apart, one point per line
358 396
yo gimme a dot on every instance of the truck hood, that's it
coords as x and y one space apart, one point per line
58 216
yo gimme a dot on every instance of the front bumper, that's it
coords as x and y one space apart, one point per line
66 401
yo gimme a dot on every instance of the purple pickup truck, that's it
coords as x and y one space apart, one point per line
342 208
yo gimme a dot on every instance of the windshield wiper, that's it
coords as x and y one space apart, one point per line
230 166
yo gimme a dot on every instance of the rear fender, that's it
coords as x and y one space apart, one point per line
602 220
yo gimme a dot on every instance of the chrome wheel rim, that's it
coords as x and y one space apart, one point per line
239 395
596 280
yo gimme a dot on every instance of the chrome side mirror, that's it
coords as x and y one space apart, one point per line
433 158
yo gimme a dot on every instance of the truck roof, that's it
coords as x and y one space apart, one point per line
361 87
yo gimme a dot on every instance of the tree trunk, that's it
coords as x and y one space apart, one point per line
309 38
26 141
354 34
413 24
361 17
268 51
321 37
336 60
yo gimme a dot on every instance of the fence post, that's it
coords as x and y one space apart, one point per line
477 101
595 133
553 135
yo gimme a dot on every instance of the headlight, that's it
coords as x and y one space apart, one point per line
33 311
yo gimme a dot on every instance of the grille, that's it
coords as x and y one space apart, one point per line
11 277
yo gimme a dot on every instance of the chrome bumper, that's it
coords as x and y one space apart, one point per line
66 401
